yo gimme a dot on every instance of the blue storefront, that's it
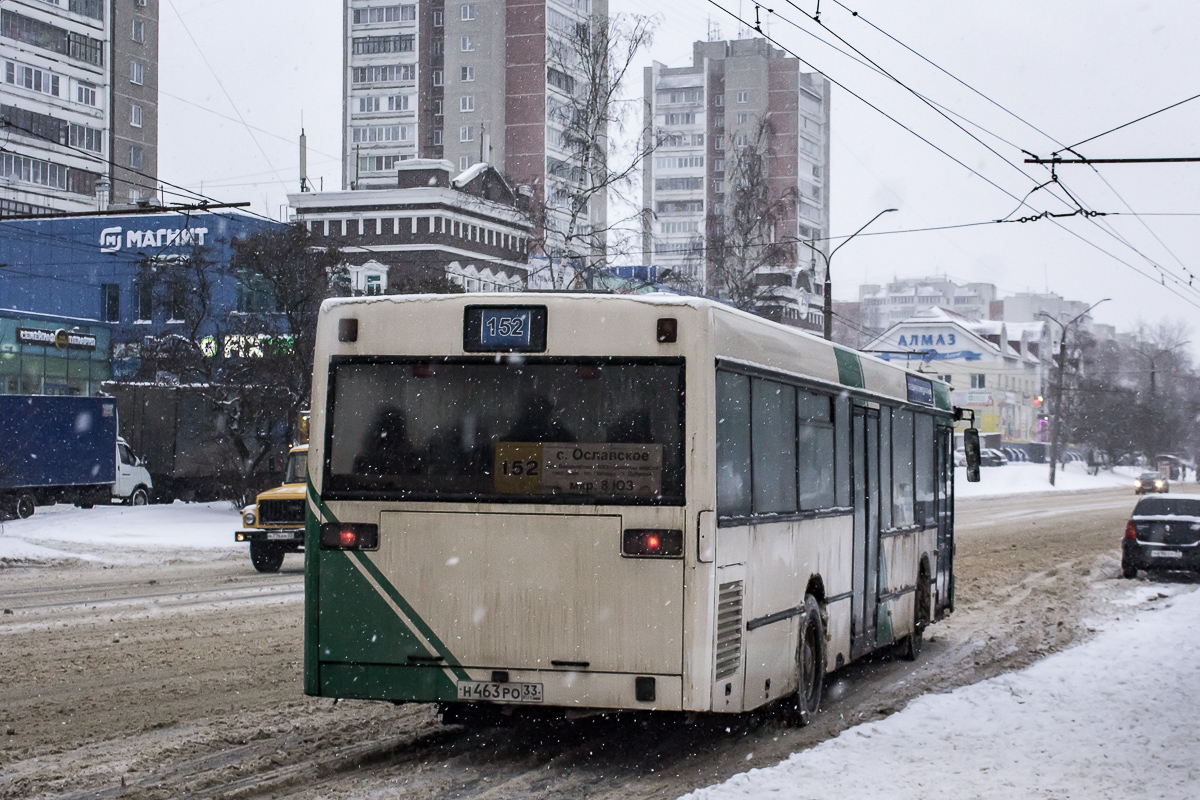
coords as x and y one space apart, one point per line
75 302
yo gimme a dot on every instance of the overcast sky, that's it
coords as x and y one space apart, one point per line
1070 68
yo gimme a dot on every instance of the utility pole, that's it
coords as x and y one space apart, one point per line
828 306
1056 428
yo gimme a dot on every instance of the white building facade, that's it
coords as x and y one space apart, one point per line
56 100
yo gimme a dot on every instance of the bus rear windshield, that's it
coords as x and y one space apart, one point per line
604 431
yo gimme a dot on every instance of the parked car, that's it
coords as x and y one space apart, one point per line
1162 533
960 457
991 457
1149 482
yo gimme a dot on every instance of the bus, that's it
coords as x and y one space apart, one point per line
604 502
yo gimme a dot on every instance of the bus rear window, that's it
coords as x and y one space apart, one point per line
518 430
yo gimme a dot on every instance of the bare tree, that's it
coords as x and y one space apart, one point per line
252 365
587 67
748 259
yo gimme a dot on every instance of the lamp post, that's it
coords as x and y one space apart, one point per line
1055 431
828 285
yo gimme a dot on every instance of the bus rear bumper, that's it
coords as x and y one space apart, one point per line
558 688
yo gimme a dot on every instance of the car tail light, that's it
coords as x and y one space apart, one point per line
1130 530
652 543
349 536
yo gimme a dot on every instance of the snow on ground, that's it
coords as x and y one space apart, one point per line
120 533
1112 718
1023 477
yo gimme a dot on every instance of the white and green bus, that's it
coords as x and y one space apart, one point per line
612 502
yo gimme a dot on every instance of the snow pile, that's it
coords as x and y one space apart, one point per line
120 533
1112 718
1023 477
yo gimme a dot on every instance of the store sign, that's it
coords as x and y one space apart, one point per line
256 345
59 339
117 238
928 340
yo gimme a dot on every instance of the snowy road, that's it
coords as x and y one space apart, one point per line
178 671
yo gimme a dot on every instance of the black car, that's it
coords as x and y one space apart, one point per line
1149 482
1163 533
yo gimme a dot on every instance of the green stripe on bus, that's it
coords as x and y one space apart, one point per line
422 626
849 368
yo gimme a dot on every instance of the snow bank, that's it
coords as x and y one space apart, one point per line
120 533
1023 478
1112 718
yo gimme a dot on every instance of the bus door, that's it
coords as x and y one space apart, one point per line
945 521
865 473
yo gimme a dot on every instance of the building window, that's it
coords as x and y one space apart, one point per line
437 109
110 302
743 97
368 104
137 73
466 133
743 119
135 115
463 162
30 78
468 12
437 138
467 44
437 19
978 380
136 156
139 31
385 74
408 13
145 300
439 46
87 138
466 102
437 77
397 102
718 100
468 74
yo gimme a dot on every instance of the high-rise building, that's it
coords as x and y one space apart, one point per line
78 104
736 95
467 82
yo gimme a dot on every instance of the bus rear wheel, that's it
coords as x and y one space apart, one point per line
921 617
25 505
266 557
810 663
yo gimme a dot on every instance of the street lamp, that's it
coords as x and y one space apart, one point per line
828 285
1055 431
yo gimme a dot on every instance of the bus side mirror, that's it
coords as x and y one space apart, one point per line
971 449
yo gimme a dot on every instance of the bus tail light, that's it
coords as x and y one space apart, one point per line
349 536
652 543
1130 530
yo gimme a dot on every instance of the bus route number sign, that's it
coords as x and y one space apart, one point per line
504 329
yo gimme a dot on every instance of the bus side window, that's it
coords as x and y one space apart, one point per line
733 445
902 469
841 420
816 452
773 443
885 467
923 467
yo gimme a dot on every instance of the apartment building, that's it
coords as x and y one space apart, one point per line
78 104
465 82
737 94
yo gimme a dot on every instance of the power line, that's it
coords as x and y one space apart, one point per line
1127 124
217 78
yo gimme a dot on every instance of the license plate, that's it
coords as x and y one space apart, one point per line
278 535
1166 554
502 692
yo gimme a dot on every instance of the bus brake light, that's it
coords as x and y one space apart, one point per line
652 543
349 536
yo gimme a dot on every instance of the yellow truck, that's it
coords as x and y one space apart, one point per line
274 524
